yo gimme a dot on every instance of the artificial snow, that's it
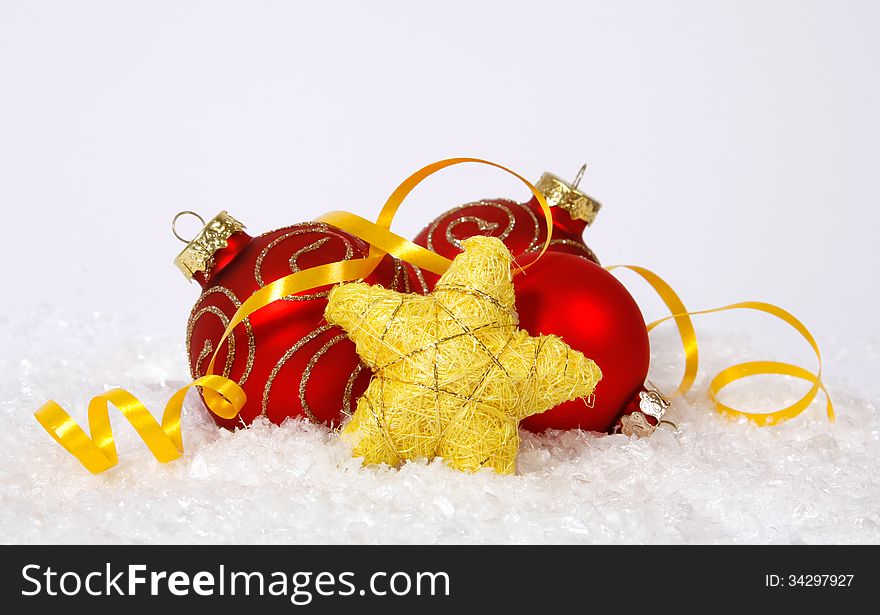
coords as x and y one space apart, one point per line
708 481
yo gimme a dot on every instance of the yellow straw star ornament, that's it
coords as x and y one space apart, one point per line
452 373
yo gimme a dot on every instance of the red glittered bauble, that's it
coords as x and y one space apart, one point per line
521 226
592 311
286 357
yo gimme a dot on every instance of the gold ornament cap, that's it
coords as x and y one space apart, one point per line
199 251
560 193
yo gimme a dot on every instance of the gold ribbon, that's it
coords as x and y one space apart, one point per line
732 374
98 452
225 398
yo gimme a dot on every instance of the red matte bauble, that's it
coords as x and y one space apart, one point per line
521 226
592 311
286 357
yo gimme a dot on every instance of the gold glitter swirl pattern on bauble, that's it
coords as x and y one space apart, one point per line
197 365
289 232
294 231
330 234
452 219
453 373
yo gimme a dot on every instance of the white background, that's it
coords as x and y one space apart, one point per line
733 144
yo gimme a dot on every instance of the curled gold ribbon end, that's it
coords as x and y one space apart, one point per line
763 368
164 440
731 374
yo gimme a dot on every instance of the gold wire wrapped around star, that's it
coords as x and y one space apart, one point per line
452 373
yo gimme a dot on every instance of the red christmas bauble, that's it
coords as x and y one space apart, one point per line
521 226
592 311
286 357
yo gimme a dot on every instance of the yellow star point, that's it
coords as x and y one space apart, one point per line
452 373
